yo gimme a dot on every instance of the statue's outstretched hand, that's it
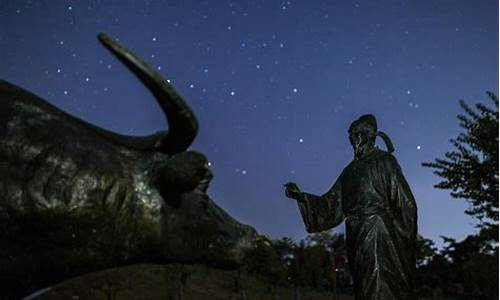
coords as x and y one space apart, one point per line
292 191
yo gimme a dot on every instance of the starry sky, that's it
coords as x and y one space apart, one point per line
274 84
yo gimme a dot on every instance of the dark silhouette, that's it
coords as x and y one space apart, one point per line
374 199
76 198
470 171
468 269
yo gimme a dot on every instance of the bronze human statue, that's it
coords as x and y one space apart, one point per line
373 197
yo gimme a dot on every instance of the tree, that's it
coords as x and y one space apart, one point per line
326 253
471 170
262 260
284 249
426 250
296 269
473 266
468 269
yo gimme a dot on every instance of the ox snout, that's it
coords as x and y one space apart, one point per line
194 228
199 231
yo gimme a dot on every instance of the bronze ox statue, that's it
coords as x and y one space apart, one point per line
75 198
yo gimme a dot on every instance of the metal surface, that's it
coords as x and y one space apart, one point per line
103 199
380 213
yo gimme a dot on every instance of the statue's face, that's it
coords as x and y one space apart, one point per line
355 137
360 139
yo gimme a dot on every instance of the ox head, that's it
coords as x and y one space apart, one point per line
193 228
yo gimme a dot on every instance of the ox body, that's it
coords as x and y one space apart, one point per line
99 199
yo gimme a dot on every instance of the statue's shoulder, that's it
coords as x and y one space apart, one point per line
377 157
382 153
384 156
387 160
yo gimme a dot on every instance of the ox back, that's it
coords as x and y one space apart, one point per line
65 189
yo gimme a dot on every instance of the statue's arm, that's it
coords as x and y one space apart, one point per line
323 212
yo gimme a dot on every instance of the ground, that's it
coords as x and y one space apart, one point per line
165 282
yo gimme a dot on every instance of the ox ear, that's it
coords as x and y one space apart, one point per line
182 173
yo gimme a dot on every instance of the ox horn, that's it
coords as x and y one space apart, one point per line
182 122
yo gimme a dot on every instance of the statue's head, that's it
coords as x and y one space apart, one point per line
362 134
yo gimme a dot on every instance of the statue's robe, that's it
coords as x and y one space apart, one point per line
373 197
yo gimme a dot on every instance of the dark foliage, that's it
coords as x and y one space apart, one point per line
316 263
463 270
468 269
471 170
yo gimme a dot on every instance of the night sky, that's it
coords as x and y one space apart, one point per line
274 85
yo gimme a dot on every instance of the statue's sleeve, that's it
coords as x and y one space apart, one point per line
401 199
321 213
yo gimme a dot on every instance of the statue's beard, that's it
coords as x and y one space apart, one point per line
361 147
